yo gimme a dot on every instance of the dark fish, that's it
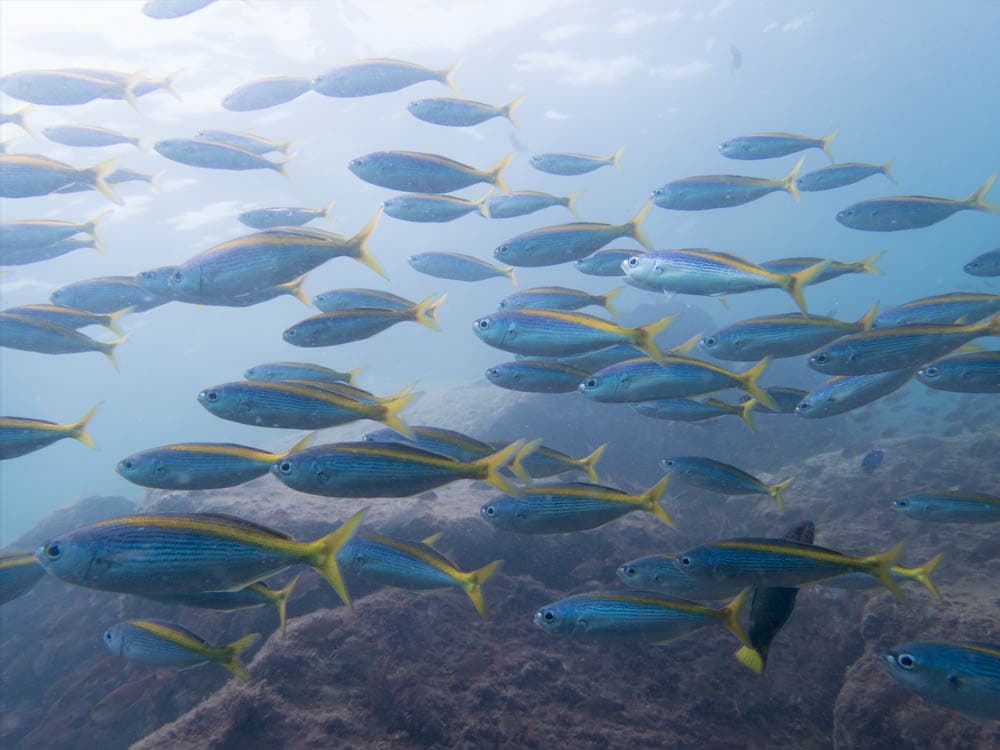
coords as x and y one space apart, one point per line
536 461
39 233
460 113
846 392
255 144
689 410
524 202
536 376
871 461
166 9
255 595
606 262
19 572
941 309
68 317
458 267
269 218
832 270
107 294
201 152
950 507
987 264
430 208
450 443
726 479
558 298
912 211
88 136
29 175
19 436
786 399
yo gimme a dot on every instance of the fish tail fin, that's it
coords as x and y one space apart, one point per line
571 203
294 289
390 413
775 490
231 653
323 554
91 228
922 573
587 463
687 346
615 158
509 273
300 444
632 227
359 246
154 181
167 84
508 110
279 599
730 615
281 167
744 410
748 382
101 171
751 658
393 397
645 336
425 313
78 429
880 566
977 201
886 169
868 264
21 114
494 174
794 283
606 300
326 209
825 142
287 146
788 181
432 539
865 321
107 348
354 374
481 206
473 581
517 465
128 90
444 75
113 318
990 327
490 466
650 501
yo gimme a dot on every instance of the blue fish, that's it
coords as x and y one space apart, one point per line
941 309
598 360
278 371
986 264
460 113
68 317
65 87
524 202
166 9
129 86
950 507
535 461
117 177
458 267
31 334
26 256
606 262
378 76
255 144
569 165
269 218
346 299
200 152
265 92
414 172
846 393
689 410
832 270
343 326
721 190
30 175
871 461
558 298
19 572
723 478
431 208
18 117
658 573
88 136
786 399
107 294
536 376
897 213
255 595
773 145
27 234
978 372
841 175
450 443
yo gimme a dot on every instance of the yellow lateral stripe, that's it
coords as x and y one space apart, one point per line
269 542
173 636
814 554
435 561
388 451
606 495
250 454
588 321
679 605
18 423
344 402
995 653
20 561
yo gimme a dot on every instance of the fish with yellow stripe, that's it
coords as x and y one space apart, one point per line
773 145
343 326
832 270
19 572
278 371
20 436
535 461
706 192
30 175
32 334
415 172
26 234
69 317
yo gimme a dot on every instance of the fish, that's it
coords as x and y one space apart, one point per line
279 371
832 269
33 335
723 478
569 507
255 144
348 390
414 566
19 117
257 261
107 294
165 9
535 461
958 675
378 76
89 136
722 190
66 87
773 145
847 392
346 299
200 466
343 326
689 410
605 262
297 407
786 399
871 461
658 573
458 267
264 93
569 165
429 208
26 256
19 572
39 233
163 644
758 561
29 175
978 372
415 172
461 113
635 616
775 336
941 309
558 298
269 218
524 202
898 213
449 443
130 86
841 175
182 553
68 317
861 581
598 360
645 379
709 273
950 507
117 177
291 288
536 376
735 58
555 333
201 152
371 469
985 264
550 246
885 349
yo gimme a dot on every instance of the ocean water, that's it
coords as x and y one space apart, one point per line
912 82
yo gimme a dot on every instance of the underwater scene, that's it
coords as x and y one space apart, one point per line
458 374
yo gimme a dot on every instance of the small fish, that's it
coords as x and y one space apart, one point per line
721 190
279 371
689 410
414 172
574 164
635 616
598 360
536 376
67 87
269 218
88 136
831 270
775 336
431 208
163 644
786 399
265 92
26 256
200 466
297 407
347 299
36 233
449 443
606 262
107 294
378 76
255 144
871 461
735 58
68 317
773 145
986 264
726 479
343 326
565 508
658 572
370 469
458 267
978 372
165 9
414 566
33 335
28 175
460 113
841 175
846 393
912 211
524 202
885 349
558 298
555 333
348 390
550 246
862 581
950 507
961 676
18 117
536 461
117 177
201 152
19 572
207 552
941 309
129 86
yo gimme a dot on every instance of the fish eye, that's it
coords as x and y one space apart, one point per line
686 562
107 636
820 358
548 615
503 303
290 333
902 503
490 511
803 406
285 467
906 661
849 212
668 462
502 250
212 396
483 323
128 464
177 276
629 570
931 372
710 341
632 262
493 372
53 551
591 383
